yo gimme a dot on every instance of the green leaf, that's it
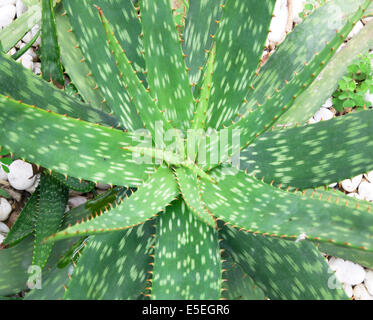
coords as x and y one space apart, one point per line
76 67
166 70
187 257
73 183
13 79
132 211
10 35
4 194
201 22
92 41
144 104
254 206
16 261
188 184
51 67
113 266
199 120
51 208
100 152
25 223
283 269
53 285
238 285
239 48
313 155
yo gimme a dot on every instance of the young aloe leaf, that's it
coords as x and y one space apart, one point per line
283 269
100 152
256 207
143 102
28 45
202 15
51 208
238 285
75 66
10 35
188 184
113 266
239 49
166 71
50 51
327 82
13 76
25 223
73 183
187 257
92 41
313 155
199 120
132 211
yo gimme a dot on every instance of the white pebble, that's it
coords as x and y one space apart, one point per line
369 176
354 195
76 201
350 185
4 3
12 51
3 228
7 14
26 61
312 121
332 185
368 281
278 23
103 186
35 185
366 190
369 97
323 114
20 7
347 271
1 238
298 6
328 103
5 209
3 174
21 175
361 293
37 68
355 30
27 37
348 289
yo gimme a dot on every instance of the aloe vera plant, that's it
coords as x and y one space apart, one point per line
215 198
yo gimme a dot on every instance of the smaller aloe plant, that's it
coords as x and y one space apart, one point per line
187 224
